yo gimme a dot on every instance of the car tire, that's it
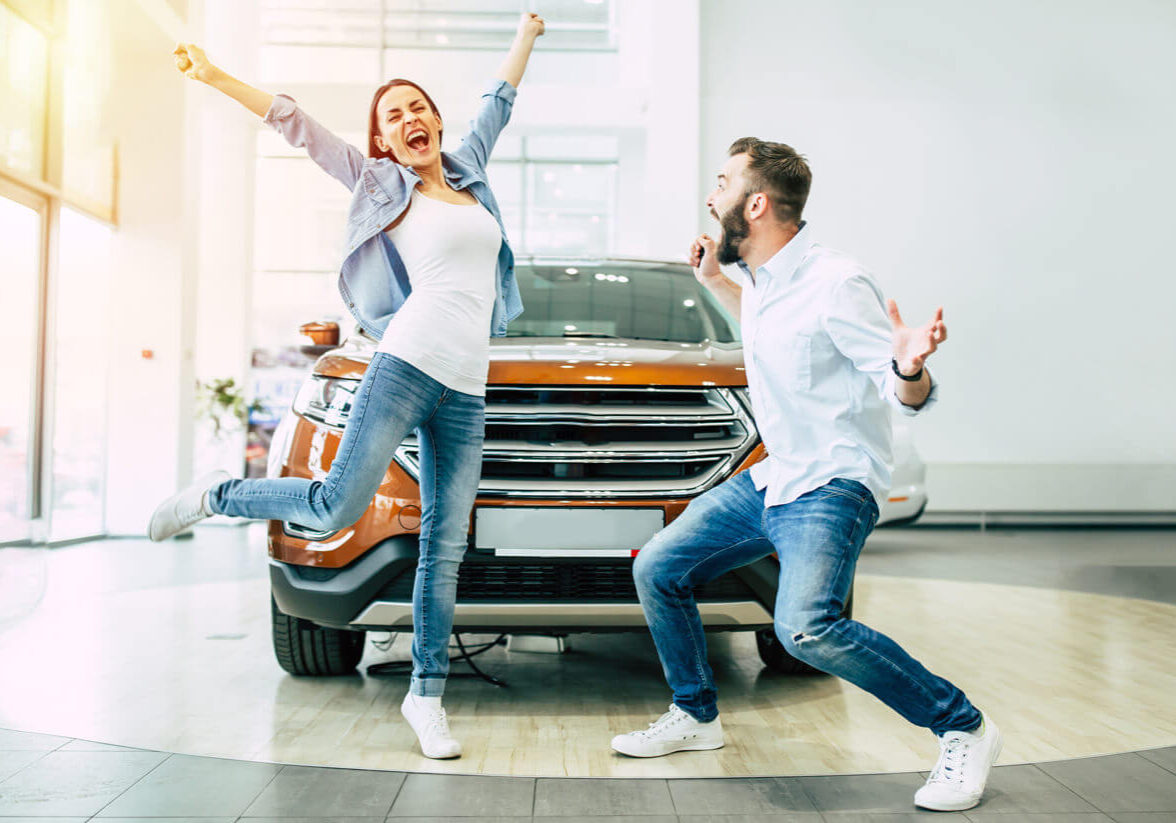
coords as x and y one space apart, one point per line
303 648
776 658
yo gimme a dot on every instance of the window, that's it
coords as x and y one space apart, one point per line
24 56
557 193
87 146
21 223
57 180
346 39
81 310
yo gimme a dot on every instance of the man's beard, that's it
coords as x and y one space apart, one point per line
735 231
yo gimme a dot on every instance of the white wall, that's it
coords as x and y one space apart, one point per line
1013 162
224 153
152 279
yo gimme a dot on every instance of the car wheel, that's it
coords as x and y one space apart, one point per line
776 658
304 648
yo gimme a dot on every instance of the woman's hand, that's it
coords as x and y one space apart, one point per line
531 26
194 63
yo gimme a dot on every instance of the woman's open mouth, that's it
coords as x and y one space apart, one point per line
418 140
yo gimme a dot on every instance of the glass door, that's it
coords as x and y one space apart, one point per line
80 322
22 222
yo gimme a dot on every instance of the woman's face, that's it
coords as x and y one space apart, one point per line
408 127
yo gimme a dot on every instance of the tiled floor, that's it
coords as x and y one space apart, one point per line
54 778
59 778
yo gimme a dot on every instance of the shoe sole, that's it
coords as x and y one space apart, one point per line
701 747
963 807
440 756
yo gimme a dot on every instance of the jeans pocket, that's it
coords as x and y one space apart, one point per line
830 490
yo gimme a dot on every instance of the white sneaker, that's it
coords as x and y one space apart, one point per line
428 720
965 758
185 508
674 731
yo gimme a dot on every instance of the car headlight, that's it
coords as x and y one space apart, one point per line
326 400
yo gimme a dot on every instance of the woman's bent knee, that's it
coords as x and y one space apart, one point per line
337 510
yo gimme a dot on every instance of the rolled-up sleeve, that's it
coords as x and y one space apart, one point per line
332 153
857 323
488 123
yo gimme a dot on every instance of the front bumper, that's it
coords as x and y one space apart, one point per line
535 595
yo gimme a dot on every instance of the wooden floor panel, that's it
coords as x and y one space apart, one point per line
189 669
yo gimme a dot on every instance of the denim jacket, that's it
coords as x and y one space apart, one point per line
372 279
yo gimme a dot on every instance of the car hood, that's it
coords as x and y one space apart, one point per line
559 361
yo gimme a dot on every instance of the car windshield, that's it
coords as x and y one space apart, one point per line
636 301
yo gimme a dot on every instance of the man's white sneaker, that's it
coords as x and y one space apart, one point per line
185 508
958 779
428 720
674 731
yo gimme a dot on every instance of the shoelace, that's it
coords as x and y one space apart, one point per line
667 720
439 723
192 512
953 758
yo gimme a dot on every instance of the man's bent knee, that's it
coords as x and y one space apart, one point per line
807 640
649 569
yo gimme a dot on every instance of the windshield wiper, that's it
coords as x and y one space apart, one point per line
589 334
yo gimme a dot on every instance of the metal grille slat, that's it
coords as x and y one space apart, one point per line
573 441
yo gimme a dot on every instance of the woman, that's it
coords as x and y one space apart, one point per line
428 272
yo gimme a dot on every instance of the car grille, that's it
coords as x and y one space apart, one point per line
554 583
571 442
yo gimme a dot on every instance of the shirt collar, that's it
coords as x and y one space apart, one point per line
785 263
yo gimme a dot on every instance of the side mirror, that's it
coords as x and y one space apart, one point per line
321 333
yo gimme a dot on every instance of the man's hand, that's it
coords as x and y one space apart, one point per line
531 26
194 63
704 261
912 346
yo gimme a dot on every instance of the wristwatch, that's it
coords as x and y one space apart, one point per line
914 378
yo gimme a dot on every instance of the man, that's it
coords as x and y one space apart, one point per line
823 366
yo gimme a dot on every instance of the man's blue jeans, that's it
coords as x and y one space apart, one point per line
818 538
393 399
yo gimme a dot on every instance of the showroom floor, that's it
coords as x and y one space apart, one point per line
1066 637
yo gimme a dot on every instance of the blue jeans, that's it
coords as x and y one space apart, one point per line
393 399
818 538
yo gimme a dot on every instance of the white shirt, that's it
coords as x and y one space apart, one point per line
817 347
450 252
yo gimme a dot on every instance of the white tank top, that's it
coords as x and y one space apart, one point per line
443 328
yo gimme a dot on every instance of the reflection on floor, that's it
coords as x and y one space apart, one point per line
167 647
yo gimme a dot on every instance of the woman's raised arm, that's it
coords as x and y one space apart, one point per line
531 27
333 154
194 63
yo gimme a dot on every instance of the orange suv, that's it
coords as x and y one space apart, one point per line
617 397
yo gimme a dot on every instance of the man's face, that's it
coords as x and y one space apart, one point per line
727 204
408 127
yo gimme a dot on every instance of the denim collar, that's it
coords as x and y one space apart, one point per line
457 173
